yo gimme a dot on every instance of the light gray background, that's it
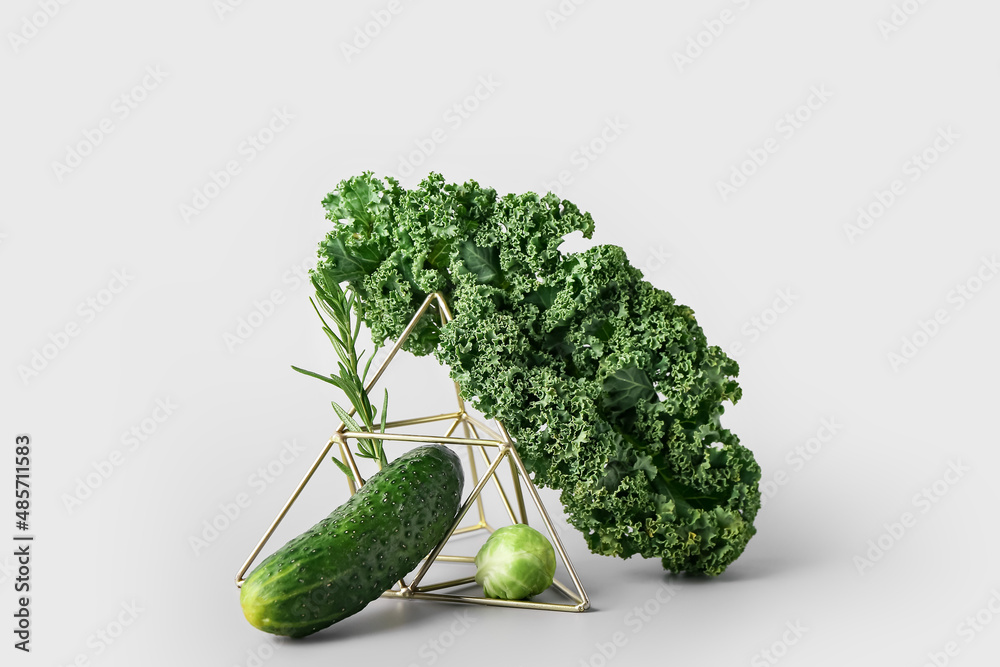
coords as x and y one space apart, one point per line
781 242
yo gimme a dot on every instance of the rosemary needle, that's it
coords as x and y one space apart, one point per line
338 305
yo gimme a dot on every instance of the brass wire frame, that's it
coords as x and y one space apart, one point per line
498 438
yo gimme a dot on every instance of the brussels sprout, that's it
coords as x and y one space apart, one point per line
516 562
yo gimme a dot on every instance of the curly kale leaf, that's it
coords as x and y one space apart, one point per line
608 386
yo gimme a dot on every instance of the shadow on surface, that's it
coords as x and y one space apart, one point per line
381 617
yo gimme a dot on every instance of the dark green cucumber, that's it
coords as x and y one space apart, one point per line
361 549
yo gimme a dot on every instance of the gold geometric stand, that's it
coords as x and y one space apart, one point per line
514 504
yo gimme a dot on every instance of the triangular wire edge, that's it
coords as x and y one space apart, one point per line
581 598
506 448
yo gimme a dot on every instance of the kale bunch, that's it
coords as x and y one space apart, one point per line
606 384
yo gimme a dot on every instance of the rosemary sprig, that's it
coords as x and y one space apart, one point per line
338 306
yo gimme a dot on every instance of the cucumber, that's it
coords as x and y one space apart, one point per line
361 549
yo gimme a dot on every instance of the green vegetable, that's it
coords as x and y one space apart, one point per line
363 547
338 306
607 385
515 563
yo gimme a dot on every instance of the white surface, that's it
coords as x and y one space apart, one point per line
653 190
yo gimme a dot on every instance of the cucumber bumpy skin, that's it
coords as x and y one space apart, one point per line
362 548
